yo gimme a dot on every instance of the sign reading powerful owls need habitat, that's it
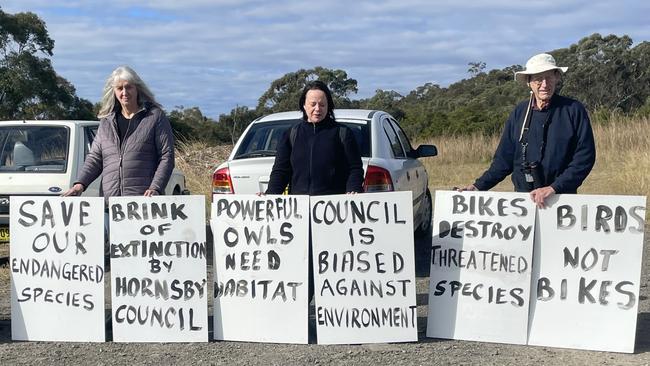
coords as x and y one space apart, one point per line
260 267
57 269
364 268
481 262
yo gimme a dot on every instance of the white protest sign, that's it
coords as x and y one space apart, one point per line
57 269
481 266
364 268
260 267
158 269
588 252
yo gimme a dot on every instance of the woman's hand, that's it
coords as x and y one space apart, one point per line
76 190
150 192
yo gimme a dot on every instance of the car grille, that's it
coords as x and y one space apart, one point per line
4 205
4 201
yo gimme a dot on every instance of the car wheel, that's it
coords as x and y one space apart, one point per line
425 226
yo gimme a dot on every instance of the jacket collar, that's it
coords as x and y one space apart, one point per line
322 124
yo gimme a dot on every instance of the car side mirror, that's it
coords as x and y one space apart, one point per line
426 150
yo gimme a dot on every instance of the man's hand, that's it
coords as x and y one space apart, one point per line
76 190
470 187
539 195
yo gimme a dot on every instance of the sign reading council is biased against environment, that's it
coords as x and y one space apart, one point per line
364 268
481 254
588 253
158 269
57 269
260 261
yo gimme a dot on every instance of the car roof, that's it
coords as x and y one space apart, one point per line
48 122
360 114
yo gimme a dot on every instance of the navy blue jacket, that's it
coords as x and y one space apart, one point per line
318 163
565 160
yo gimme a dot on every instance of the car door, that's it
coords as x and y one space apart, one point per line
88 135
413 170
399 167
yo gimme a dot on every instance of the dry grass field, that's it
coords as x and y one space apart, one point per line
622 162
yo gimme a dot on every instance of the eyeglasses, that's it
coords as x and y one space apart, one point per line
537 79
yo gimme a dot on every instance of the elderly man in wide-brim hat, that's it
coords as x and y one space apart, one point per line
547 144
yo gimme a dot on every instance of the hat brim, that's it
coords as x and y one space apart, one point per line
522 76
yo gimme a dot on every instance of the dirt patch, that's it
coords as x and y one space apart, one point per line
425 351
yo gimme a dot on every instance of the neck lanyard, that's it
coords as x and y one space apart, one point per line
525 127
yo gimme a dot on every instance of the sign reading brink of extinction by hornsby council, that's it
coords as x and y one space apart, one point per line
260 262
364 268
588 252
480 274
158 269
57 269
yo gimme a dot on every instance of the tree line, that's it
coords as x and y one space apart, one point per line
609 74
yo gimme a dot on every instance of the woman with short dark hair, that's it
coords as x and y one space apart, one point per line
318 156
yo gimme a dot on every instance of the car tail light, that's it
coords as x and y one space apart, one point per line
377 180
221 182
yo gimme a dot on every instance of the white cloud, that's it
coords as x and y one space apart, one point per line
219 54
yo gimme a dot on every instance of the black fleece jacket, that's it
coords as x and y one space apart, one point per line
318 163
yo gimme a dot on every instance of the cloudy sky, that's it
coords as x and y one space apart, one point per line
217 54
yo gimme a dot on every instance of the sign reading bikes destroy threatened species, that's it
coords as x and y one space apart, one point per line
588 253
158 269
364 268
57 269
261 266
481 254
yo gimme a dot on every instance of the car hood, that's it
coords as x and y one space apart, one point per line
32 183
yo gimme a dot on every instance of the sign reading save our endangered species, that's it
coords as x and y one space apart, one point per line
588 252
481 259
158 269
57 268
260 267
364 268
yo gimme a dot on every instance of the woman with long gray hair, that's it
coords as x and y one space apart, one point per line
134 145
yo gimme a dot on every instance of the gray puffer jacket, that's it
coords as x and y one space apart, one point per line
144 161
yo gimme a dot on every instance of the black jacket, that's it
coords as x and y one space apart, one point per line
318 163
566 158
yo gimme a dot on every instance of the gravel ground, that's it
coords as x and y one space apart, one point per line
425 352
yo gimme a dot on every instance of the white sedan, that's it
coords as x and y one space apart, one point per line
389 161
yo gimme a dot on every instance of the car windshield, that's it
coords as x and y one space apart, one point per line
262 139
34 149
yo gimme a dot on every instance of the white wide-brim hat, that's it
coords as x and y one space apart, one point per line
536 65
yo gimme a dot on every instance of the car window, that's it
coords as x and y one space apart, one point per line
395 145
361 133
406 144
34 149
90 133
262 138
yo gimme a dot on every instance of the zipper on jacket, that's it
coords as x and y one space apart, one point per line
311 158
117 138
123 147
